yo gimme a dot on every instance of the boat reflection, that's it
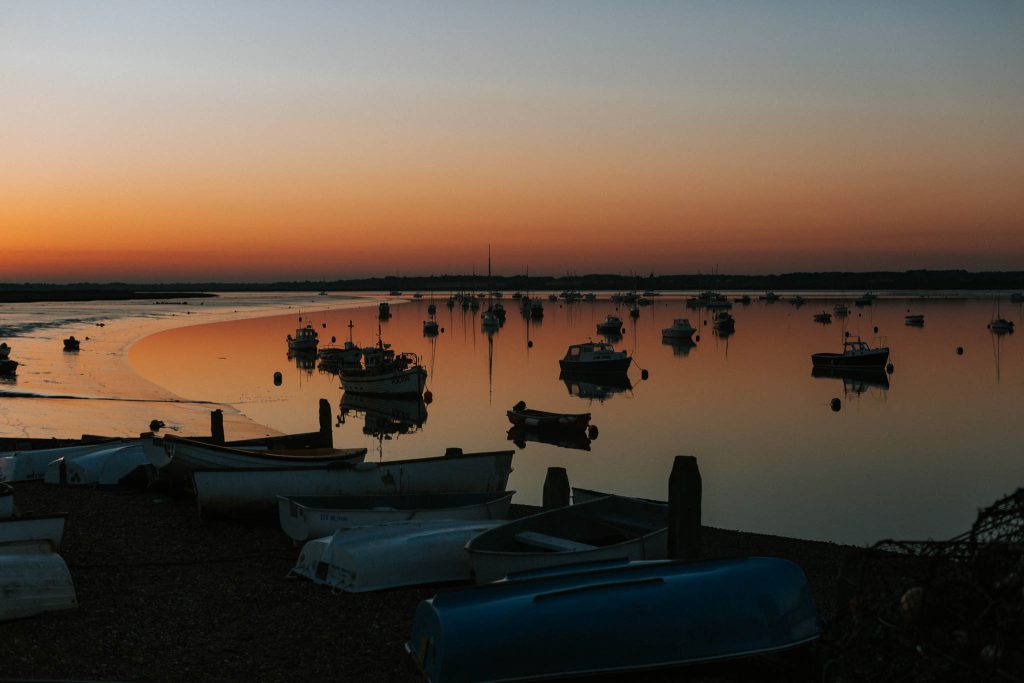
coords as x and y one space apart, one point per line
595 386
680 347
385 418
304 360
563 438
855 381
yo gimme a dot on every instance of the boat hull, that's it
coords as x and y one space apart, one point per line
35 580
541 420
614 617
410 382
875 358
255 491
303 518
616 365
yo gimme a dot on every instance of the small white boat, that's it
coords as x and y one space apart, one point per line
304 517
31 465
681 329
305 339
611 323
256 490
606 528
35 580
197 455
391 555
106 467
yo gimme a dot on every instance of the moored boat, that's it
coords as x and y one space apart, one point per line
385 373
611 527
841 310
256 490
305 339
823 317
613 617
192 455
8 367
5 351
856 354
681 329
391 555
306 517
430 327
1001 325
522 416
594 357
723 321
914 319
72 344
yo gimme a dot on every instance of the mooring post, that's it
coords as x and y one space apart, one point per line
684 492
217 425
556 488
326 428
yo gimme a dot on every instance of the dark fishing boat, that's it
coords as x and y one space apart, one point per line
594 357
71 344
521 416
856 354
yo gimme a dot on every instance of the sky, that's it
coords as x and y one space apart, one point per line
261 141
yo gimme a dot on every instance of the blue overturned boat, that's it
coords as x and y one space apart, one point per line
613 616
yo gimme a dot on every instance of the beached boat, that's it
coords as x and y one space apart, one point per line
522 416
391 555
611 527
681 329
305 339
8 367
31 464
306 517
385 373
256 490
613 617
72 344
35 528
823 317
115 466
5 351
914 319
594 357
191 455
856 354
35 580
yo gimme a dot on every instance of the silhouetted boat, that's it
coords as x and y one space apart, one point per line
594 357
522 416
823 317
563 438
305 339
385 373
8 367
915 319
72 344
841 310
5 351
430 327
681 329
613 616
856 354
723 321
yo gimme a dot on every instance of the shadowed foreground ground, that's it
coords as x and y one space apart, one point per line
163 596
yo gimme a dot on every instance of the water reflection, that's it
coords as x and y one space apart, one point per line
304 360
680 347
384 418
595 386
576 439
855 381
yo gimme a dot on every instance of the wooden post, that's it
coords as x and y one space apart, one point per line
217 425
326 428
684 492
556 488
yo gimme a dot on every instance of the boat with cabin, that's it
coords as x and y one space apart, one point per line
5 351
823 317
681 329
385 372
723 321
841 310
306 517
305 339
611 323
594 357
72 344
856 354
614 616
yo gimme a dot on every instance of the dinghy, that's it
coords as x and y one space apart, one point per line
36 528
391 555
255 491
104 467
609 527
613 617
191 455
30 465
304 517
35 580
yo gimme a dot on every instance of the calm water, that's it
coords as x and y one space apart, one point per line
910 456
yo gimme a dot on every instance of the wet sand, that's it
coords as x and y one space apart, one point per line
163 596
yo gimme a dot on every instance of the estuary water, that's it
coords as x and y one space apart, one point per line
911 454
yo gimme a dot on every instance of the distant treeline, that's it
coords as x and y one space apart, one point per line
874 281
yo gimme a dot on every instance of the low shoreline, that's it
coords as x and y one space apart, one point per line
164 596
32 296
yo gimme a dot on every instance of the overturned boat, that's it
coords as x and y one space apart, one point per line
113 466
255 491
609 527
613 616
391 555
306 517
29 465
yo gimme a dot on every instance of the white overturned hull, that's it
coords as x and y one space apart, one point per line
409 382
31 465
106 467
255 491
40 529
33 580
303 518
392 555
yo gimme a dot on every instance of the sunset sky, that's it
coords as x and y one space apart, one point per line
170 141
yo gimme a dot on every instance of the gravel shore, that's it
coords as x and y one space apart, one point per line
163 596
